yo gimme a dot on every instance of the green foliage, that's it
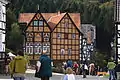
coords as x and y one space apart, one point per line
100 58
15 40
8 50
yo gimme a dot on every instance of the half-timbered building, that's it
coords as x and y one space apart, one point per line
2 34
57 33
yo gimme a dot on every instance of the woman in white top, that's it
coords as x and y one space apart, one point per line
69 74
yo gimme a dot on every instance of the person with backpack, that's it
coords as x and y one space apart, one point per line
111 67
16 69
45 71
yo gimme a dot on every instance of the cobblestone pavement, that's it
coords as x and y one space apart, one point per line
56 76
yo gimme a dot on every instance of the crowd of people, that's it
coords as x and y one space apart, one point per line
44 68
83 68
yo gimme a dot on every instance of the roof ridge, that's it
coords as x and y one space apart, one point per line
55 16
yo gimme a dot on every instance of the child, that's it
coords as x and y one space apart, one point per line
69 74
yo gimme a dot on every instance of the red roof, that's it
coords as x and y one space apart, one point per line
54 20
51 18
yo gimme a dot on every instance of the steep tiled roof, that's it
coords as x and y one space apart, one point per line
51 18
76 19
54 20
25 17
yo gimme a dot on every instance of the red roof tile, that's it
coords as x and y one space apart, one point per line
54 20
51 18
76 19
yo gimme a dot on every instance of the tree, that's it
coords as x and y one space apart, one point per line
15 39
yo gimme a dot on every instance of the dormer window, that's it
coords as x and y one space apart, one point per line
40 23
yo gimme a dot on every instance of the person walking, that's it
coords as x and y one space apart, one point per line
111 67
69 63
45 71
18 66
69 74
84 69
75 67
91 69
117 70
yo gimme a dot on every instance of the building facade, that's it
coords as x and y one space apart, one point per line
57 33
2 26
117 31
88 41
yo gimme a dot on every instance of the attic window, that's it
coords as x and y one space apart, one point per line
35 23
40 23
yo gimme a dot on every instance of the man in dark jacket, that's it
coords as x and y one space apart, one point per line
45 71
117 70
69 63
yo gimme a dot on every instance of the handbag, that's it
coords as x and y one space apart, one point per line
37 67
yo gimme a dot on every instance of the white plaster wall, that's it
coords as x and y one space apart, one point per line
2 26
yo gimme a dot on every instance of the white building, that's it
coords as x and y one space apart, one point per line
2 24
89 40
117 30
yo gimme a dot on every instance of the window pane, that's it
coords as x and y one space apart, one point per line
59 35
69 51
40 23
73 36
35 23
62 51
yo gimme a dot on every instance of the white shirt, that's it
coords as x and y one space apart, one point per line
71 76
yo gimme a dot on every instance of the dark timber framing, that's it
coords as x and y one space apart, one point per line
65 37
